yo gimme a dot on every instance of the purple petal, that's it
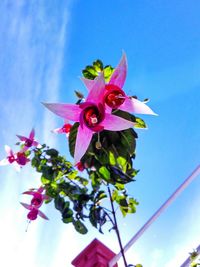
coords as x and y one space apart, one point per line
136 106
26 206
29 193
42 215
88 83
66 111
115 123
35 143
32 134
119 75
97 91
22 138
84 136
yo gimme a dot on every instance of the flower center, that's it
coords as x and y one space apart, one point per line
66 128
114 96
28 142
36 201
21 158
11 159
91 116
32 215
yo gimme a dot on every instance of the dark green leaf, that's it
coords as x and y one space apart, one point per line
52 152
72 138
80 227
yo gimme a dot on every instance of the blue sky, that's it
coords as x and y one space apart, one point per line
43 47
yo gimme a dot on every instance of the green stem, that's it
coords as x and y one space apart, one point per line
116 227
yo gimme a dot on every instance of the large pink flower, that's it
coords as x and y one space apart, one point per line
115 97
29 141
91 115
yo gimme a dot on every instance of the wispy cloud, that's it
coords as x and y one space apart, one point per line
33 38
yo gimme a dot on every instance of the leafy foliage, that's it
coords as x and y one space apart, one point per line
92 71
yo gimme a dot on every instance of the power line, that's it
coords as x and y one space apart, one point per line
167 203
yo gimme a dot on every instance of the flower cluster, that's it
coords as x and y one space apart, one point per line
19 158
95 113
36 202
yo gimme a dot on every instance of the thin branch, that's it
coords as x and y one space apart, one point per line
115 226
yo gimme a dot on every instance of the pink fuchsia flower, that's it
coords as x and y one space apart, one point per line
91 115
80 166
18 159
34 212
38 197
28 141
115 97
64 129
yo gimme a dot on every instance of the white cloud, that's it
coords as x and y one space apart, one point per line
31 61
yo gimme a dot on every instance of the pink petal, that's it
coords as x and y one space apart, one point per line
84 136
32 134
115 123
136 106
97 91
42 215
16 166
26 206
119 75
29 193
88 83
8 150
35 143
66 111
58 130
4 162
22 138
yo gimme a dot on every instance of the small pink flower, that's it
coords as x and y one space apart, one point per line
115 97
38 197
80 166
18 159
64 129
91 115
29 141
34 212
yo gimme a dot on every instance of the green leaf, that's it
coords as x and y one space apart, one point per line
90 73
105 173
112 160
80 227
122 163
52 152
72 175
72 138
139 123
108 71
67 214
59 203
98 65
44 180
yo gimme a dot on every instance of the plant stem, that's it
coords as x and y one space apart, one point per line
116 227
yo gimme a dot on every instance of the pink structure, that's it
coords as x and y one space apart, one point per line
96 254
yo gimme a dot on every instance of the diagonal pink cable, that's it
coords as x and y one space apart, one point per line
187 261
167 203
